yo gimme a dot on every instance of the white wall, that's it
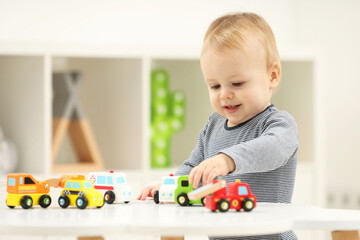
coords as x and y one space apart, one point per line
333 28
135 22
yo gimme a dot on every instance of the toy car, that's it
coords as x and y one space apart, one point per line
23 190
183 188
81 193
166 193
238 196
113 185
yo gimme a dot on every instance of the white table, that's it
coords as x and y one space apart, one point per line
144 218
344 224
172 220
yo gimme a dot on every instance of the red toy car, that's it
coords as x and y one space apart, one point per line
238 196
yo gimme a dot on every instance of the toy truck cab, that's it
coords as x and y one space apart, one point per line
182 190
80 193
23 190
167 189
114 186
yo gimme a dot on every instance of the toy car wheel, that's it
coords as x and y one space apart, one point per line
126 201
182 199
26 202
109 197
223 205
64 201
45 201
156 197
203 201
247 204
81 202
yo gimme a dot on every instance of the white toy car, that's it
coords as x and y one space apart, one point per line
167 189
113 185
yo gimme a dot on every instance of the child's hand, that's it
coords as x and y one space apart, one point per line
148 192
209 169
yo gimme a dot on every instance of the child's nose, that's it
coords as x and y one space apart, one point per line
226 94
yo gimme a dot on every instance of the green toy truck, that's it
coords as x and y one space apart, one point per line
183 188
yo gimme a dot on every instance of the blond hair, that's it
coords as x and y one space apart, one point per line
231 30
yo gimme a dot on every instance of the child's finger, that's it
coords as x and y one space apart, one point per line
144 193
191 175
206 175
211 177
197 177
147 193
140 197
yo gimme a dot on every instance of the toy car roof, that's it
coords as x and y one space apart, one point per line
65 178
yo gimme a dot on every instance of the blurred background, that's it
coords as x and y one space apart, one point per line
115 45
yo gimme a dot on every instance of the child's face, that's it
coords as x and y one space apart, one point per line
239 83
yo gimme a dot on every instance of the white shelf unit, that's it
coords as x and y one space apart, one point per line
116 99
24 108
112 100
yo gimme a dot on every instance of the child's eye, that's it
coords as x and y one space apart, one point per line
237 84
215 86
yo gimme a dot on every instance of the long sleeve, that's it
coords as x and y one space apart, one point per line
277 143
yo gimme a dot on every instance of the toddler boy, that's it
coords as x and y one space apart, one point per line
246 137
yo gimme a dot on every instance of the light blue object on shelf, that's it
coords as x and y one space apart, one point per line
167 117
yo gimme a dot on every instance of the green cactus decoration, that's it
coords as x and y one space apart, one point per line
167 117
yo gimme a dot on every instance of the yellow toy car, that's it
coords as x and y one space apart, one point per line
23 190
80 193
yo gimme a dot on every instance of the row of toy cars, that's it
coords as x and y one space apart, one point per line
100 187
214 195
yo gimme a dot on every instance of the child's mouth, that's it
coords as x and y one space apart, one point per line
231 108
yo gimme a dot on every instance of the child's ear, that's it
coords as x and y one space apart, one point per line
274 74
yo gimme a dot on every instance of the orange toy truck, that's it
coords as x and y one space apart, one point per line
23 190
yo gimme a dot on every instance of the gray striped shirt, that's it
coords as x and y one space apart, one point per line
264 150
